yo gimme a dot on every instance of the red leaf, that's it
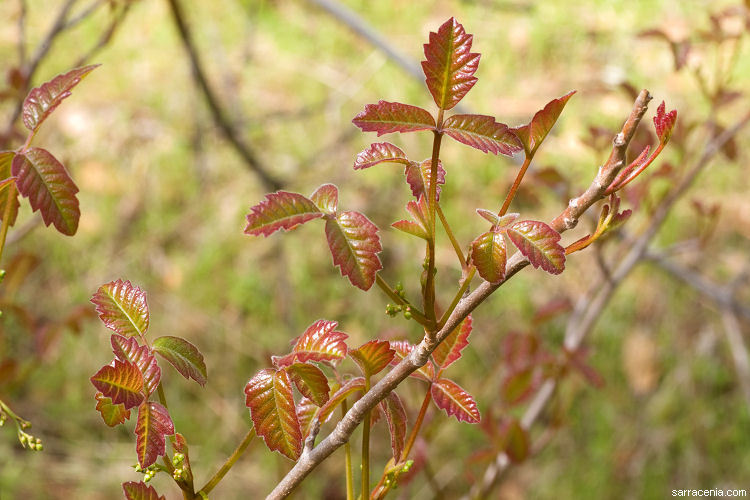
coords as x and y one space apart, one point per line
455 401
354 245
127 349
450 64
45 182
494 219
320 342
140 491
379 152
533 133
184 356
403 348
42 100
153 424
373 356
350 387
326 198
395 415
418 177
539 243
310 381
6 159
483 133
122 307
269 397
280 210
664 122
488 254
122 382
449 350
387 117
112 414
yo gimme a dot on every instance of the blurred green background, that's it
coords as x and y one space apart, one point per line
163 199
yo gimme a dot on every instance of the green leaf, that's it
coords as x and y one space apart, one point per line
539 243
456 402
373 356
280 210
140 491
121 381
310 381
354 244
326 198
127 349
350 387
112 414
122 307
533 133
388 117
151 428
6 160
269 397
45 182
488 254
184 356
43 100
449 350
395 415
483 133
379 152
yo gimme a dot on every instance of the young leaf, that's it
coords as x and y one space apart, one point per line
664 122
412 228
45 182
122 307
483 133
373 356
533 133
494 219
306 413
387 117
112 414
403 348
320 342
326 198
42 100
310 381
449 350
140 491
539 243
418 177
153 424
354 245
418 211
6 160
121 381
379 152
127 349
269 397
350 387
455 401
395 415
450 65
518 385
280 210
515 441
489 256
184 356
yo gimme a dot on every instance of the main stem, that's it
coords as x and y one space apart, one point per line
429 291
514 187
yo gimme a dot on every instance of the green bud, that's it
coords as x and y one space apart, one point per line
39 447
147 478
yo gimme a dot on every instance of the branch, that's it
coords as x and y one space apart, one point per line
106 35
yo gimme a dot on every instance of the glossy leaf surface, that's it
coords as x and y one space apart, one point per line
373 356
664 122
151 429
280 210
533 133
320 342
455 401
354 244
483 133
449 350
112 414
306 412
488 253
379 152
418 177
127 349
395 415
326 198
121 381
184 356
6 160
388 117
310 381
122 307
140 491
539 243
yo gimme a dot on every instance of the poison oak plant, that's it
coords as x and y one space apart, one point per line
306 387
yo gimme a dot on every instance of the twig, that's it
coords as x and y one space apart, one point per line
87 11
106 35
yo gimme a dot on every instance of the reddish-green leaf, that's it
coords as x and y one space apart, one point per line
483 133
42 100
403 348
419 212
539 243
518 386
373 356
121 381
122 307
387 117
326 198
450 65
306 413
153 424
494 219
488 254
664 122
6 160
455 401
395 415
354 244
418 177
320 342
533 133
280 210
45 182
127 349
412 228
515 441
350 387
449 350
269 397
311 382
112 414
140 491
184 356
379 152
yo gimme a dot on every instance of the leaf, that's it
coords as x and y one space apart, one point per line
488 254
269 397
326 198
310 381
515 441
43 100
450 65
403 348
379 152
184 356
664 122
455 401
122 307
280 210
153 424
306 413
539 243
411 228
45 182
418 210
533 133
373 356
449 350
350 387
320 342
494 219
121 381
483 133
140 491
354 244
112 414
6 159
518 386
395 415
418 177
127 349
388 117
